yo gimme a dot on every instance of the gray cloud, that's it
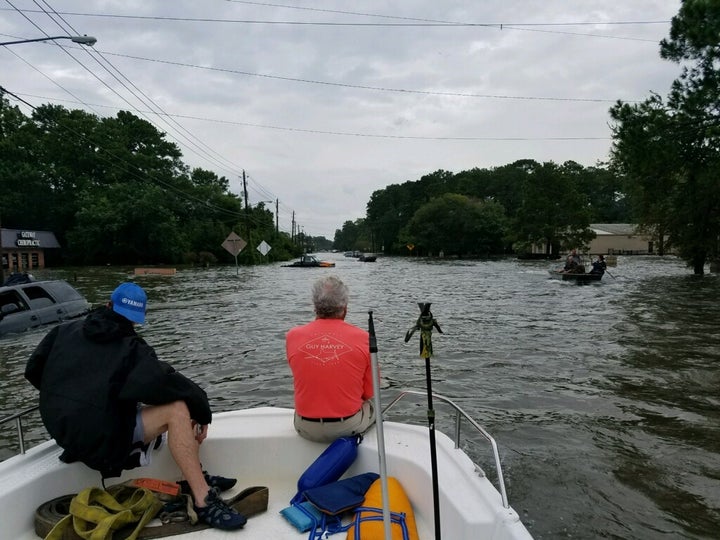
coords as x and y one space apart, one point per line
328 178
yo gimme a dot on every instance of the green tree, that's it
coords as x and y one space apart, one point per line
645 151
20 178
603 189
388 211
457 225
211 212
354 236
683 134
59 163
127 224
552 211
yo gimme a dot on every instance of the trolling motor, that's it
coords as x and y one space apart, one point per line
425 323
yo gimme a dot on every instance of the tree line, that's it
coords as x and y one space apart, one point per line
487 212
115 191
663 175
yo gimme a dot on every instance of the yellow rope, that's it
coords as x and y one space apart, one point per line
95 514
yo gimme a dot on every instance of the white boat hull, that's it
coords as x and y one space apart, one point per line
260 448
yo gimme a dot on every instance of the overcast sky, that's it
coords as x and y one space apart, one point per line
323 102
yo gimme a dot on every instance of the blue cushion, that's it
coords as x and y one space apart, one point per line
303 516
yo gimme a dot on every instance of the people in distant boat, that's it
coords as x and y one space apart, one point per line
330 363
599 265
574 263
95 376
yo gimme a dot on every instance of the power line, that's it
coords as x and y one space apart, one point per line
418 22
354 134
130 168
145 100
362 14
364 87
190 139
127 167
193 143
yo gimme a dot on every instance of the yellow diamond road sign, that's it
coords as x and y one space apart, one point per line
233 244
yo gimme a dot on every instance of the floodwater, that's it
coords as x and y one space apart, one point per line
603 398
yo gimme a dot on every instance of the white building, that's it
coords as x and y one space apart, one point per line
620 239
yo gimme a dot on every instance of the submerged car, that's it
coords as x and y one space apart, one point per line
37 303
309 261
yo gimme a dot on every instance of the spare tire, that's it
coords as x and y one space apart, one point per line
48 514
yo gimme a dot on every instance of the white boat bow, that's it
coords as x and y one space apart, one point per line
260 447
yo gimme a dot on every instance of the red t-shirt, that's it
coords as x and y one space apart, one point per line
330 362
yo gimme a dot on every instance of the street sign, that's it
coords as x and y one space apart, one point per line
233 244
264 247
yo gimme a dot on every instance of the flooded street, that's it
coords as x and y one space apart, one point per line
603 398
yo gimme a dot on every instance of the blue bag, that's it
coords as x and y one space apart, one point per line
338 497
320 512
329 466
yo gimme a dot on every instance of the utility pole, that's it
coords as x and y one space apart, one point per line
277 216
247 215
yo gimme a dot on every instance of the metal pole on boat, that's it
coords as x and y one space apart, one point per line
425 323
379 427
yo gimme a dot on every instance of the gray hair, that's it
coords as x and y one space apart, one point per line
330 297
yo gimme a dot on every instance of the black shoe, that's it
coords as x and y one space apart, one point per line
219 482
218 514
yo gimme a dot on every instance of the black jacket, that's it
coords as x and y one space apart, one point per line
92 374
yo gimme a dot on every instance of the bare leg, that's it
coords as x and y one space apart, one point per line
184 447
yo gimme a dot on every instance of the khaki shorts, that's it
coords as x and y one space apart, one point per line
327 432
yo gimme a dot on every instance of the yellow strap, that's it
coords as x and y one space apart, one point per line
96 514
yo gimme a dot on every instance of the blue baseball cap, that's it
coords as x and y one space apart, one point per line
130 301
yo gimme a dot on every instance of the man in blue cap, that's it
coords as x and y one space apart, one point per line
95 376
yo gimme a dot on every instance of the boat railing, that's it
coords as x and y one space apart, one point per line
459 415
17 418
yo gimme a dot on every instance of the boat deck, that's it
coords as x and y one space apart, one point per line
261 448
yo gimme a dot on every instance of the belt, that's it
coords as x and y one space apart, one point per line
323 420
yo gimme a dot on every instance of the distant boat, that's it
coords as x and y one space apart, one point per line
367 257
309 261
579 277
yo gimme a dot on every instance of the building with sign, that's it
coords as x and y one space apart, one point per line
24 250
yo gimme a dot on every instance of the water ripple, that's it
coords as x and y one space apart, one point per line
601 397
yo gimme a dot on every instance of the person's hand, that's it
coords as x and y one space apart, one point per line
200 432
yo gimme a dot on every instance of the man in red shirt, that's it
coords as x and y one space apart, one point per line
330 362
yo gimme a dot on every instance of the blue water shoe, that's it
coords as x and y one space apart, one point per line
218 514
219 482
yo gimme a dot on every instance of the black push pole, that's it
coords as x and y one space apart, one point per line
425 323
